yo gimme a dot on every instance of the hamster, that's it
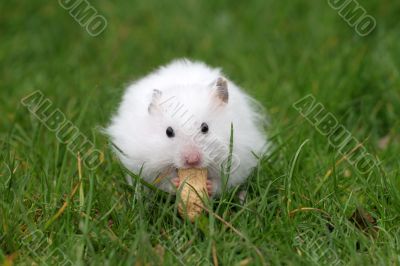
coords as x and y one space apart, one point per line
183 115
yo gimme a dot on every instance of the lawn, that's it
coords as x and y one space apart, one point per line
307 202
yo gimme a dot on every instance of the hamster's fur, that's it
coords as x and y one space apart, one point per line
180 116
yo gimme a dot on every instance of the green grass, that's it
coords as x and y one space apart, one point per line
279 51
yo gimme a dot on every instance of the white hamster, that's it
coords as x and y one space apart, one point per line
181 116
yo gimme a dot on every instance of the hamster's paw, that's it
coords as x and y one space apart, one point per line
209 187
242 196
175 181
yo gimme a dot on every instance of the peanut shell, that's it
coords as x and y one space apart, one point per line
193 186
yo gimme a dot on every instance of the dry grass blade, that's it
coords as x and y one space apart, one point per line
338 162
214 254
63 207
303 209
236 231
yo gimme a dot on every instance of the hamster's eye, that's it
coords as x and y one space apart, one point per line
170 132
204 128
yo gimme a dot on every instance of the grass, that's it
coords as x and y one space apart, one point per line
299 200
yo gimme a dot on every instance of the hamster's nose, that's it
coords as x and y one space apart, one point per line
192 158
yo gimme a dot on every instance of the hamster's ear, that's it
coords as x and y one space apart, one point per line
220 90
154 106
